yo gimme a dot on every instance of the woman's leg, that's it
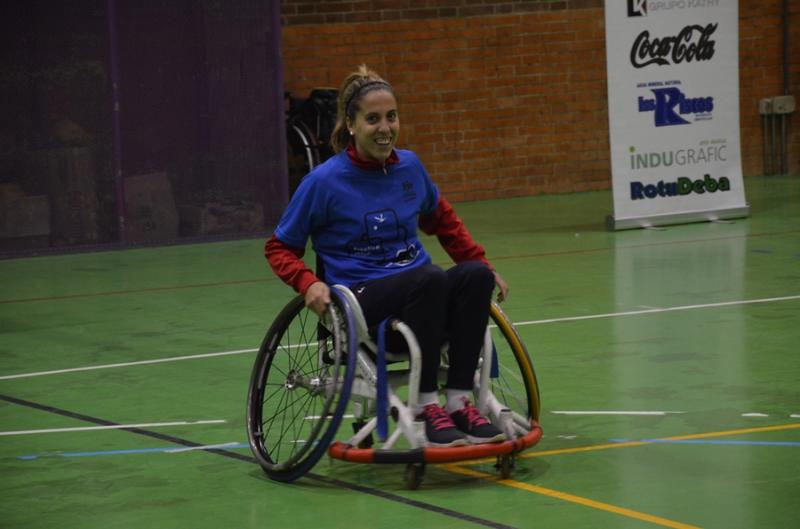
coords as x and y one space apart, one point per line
469 294
418 298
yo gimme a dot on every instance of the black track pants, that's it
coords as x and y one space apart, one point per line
437 305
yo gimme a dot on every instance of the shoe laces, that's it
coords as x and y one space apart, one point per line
437 417
474 417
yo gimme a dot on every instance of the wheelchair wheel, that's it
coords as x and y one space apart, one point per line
300 386
515 384
302 152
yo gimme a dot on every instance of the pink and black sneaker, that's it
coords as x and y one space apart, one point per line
439 428
475 426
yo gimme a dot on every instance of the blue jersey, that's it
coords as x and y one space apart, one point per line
363 224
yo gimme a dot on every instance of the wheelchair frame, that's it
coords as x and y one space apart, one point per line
299 393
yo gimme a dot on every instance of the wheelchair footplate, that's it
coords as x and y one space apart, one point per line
415 459
433 454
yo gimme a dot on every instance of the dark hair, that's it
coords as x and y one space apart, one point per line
354 87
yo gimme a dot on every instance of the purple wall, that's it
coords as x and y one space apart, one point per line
200 98
199 91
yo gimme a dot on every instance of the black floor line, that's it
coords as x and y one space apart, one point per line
233 455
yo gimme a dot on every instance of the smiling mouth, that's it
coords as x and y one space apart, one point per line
383 141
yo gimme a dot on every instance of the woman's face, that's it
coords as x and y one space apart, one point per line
376 126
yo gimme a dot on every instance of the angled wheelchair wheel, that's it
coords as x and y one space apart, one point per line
302 152
514 382
300 386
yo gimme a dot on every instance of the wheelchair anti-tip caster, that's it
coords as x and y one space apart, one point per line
505 464
414 474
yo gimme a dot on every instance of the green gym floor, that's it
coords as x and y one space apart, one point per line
667 361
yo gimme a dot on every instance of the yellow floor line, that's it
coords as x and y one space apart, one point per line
457 469
607 446
760 429
577 449
560 451
569 497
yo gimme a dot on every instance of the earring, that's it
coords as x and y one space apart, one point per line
352 133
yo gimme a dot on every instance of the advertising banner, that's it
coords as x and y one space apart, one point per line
673 107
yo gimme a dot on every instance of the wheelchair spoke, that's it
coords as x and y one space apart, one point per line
285 429
296 424
303 408
310 360
281 409
293 349
278 409
278 389
513 386
306 353
297 411
266 427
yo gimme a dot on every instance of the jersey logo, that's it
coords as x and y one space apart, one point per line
385 240
408 192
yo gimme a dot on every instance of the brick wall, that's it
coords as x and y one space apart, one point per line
507 98
761 75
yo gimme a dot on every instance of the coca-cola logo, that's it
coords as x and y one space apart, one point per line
693 43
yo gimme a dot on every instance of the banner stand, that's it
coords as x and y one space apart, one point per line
686 217
673 111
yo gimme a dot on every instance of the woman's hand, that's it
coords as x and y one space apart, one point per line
502 286
318 297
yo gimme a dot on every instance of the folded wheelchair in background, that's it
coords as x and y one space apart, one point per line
312 373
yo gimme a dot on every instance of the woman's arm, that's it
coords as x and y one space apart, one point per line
452 233
457 241
287 263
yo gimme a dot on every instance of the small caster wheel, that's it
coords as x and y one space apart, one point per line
414 473
505 464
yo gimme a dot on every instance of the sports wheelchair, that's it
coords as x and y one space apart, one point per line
313 372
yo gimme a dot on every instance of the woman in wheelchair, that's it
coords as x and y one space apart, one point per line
361 209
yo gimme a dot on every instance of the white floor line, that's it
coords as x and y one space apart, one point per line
656 311
317 417
114 427
615 412
127 364
517 324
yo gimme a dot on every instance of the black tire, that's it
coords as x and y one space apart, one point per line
516 386
300 386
